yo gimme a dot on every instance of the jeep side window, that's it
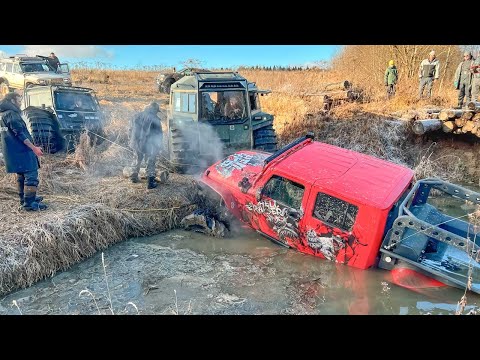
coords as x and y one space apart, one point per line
16 69
335 212
64 69
9 67
284 191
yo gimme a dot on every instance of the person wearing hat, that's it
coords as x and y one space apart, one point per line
21 155
391 77
145 137
463 78
428 73
475 70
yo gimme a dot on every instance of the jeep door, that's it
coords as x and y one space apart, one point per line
329 226
17 78
279 209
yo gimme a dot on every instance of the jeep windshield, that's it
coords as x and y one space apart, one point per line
223 106
35 67
70 101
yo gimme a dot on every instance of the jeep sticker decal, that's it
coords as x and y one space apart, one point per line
238 161
327 245
277 218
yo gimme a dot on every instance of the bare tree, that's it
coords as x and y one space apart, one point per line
192 63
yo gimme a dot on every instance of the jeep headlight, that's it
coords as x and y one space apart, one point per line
42 82
66 80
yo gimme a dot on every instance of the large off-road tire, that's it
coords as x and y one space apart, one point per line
166 85
44 129
178 149
265 139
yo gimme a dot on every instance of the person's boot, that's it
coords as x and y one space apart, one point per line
22 198
20 184
134 178
152 184
21 194
29 200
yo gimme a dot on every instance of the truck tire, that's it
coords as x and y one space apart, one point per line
178 151
265 139
167 84
44 130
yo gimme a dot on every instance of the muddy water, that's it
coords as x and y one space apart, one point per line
182 272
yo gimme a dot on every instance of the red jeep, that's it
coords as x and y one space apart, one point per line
350 208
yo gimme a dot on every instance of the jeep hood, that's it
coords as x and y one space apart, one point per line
37 76
232 169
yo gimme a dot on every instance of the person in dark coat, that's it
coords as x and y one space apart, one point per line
21 156
146 138
53 60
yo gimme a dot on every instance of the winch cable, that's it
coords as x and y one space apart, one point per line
133 152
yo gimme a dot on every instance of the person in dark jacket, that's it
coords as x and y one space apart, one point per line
463 78
391 77
146 138
21 156
53 60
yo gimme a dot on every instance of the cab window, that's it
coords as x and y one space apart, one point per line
254 101
335 212
284 191
39 98
184 102
9 67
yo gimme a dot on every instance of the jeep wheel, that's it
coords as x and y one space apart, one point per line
44 130
4 89
265 139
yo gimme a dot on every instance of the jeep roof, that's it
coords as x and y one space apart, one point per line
362 178
23 59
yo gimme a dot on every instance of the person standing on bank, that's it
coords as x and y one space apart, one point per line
21 156
391 77
146 138
475 69
463 79
428 73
